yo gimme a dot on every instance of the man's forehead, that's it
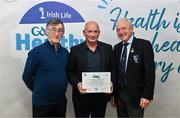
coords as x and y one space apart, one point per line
55 26
123 23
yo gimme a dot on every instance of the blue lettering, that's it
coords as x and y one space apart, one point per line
104 4
20 41
31 43
139 23
155 46
36 42
38 31
175 46
166 70
27 42
166 45
179 69
64 42
71 41
118 9
177 24
151 23
160 22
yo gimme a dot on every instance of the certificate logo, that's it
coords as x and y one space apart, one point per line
96 76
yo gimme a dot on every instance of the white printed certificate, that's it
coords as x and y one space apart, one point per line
96 82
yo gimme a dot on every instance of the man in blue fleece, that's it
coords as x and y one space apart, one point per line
45 73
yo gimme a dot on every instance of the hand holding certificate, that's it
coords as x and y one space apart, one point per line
96 82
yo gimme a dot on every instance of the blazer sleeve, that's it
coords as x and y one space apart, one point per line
72 76
113 66
149 67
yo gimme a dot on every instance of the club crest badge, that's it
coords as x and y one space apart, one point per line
136 58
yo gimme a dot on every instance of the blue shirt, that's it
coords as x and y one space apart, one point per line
45 74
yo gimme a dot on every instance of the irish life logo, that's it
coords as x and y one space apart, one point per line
31 28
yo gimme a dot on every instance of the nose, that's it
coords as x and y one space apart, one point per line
92 34
57 33
120 31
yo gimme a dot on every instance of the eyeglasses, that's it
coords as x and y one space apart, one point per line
56 30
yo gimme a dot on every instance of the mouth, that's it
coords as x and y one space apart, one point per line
56 37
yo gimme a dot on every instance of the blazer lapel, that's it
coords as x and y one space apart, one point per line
102 55
119 51
83 56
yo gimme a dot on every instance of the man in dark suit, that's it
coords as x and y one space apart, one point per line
135 72
90 56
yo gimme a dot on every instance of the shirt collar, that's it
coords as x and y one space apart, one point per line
51 45
97 46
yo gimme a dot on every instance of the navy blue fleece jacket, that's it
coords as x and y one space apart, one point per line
45 74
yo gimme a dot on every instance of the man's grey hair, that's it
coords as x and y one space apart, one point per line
54 21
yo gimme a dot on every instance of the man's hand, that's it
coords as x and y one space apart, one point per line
81 90
144 103
111 88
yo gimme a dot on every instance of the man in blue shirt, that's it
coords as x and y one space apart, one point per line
45 73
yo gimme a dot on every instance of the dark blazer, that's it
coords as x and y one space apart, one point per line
140 70
78 64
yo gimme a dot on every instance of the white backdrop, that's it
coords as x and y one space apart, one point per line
157 21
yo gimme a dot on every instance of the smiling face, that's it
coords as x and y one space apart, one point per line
91 32
55 33
124 29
